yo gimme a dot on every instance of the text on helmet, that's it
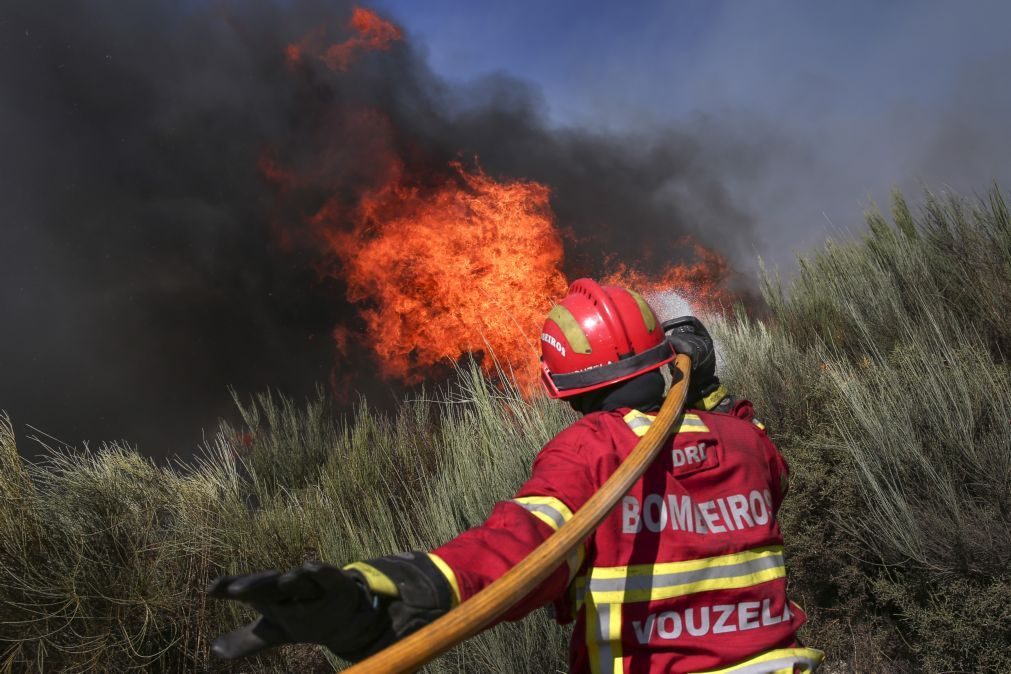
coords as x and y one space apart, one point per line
559 347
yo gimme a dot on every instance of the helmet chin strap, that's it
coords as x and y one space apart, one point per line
644 393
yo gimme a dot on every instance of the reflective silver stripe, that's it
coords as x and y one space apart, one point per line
685 577
553 514
639 422
604 638
773 666
580 595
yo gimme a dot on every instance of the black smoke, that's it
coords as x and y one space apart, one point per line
141 268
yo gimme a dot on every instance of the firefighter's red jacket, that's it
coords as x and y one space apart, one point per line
686 575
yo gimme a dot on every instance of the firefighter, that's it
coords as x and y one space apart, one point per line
686 575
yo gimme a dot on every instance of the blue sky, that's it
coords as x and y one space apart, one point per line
850 98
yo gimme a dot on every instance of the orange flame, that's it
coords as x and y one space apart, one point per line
701 283
470 266
371 33
465 264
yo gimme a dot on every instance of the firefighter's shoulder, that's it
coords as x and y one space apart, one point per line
588 437
579 435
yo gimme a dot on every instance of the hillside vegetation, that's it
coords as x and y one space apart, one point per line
881 374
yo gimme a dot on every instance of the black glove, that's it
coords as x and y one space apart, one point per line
354 612
690 337
413 591
315 603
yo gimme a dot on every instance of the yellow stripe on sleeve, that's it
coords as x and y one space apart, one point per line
554 513
449 574
548 509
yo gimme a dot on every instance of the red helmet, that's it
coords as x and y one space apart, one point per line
598 336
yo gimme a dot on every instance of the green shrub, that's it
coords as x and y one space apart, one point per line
884 377
105 556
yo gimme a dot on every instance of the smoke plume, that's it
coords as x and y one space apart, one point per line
160 158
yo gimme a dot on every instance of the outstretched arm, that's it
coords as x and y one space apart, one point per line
362 608
560 483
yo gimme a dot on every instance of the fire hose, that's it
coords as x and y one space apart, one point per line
481 610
